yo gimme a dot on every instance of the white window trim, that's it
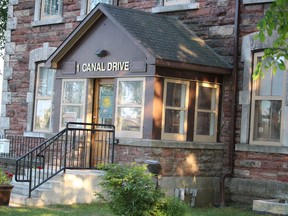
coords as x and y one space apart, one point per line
206 138
255 97
175 136
132 134
256 1
41 98
84 10
38 20
161 8
249 44
36 55
63 104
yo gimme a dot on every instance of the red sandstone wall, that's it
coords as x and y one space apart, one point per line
261 166
175 162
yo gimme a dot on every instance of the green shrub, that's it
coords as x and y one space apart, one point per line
131 192
171 206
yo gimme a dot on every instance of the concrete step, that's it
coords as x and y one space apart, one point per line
75 186
23 200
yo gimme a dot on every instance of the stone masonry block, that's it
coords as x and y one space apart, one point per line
8 36
13 2
6 97
22 13
4 86
3 110
4 123
226 30
9 48
10 11
250 163
244 97
7 73
12 23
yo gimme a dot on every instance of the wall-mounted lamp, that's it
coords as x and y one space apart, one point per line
101 53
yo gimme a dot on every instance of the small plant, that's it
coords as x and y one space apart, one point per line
171 206
131 192
5 178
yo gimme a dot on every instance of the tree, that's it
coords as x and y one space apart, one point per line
3 21
275 20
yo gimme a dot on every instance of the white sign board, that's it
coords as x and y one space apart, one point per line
4 145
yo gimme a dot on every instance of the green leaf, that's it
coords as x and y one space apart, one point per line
281 65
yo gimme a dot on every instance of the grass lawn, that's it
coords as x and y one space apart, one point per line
103 210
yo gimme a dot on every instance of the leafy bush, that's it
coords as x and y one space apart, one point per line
131 192
171 206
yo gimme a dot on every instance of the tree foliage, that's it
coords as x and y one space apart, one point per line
3 21
275 20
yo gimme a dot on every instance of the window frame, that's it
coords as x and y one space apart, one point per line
175 136
123 133
161 7
254 98
83 105
85 8
49 16
207 138
40 20
42 98
257 1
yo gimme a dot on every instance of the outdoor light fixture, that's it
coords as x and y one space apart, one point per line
101 53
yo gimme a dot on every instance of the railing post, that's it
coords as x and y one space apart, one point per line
113 148
30 175
66 144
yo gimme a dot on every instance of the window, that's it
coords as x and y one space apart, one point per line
50 8
267 106
88 5
257 1
174 120
175 2
43 99
91 4
73 101
175 5
48 12
206 112
129 107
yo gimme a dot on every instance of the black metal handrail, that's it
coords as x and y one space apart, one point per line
78 146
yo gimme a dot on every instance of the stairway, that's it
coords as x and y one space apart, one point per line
75 186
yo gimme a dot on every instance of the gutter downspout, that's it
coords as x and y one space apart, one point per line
231 147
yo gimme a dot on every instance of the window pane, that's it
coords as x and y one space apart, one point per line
43 113
51 7
45 82
267 120
277 83
106 104
207 97
93 3
205 124
175 96
265 85
71 114
175 2
129 119
130 92
271 84
174 121
74 92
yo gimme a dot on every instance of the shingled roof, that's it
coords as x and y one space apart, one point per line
164 37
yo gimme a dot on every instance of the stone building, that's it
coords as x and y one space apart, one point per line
176 76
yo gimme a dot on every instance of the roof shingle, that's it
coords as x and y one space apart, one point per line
165 37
